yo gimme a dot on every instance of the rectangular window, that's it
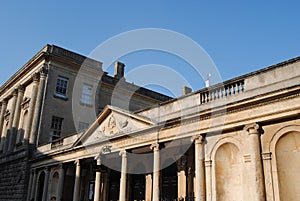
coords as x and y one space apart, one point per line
61 86
56 127
82 126
86 96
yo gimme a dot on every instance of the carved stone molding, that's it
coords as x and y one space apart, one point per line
155 146
198 139
253 129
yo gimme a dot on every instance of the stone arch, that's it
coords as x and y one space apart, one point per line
40 185
54 184
285 148
227 170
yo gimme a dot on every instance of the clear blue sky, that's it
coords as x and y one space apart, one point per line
240 36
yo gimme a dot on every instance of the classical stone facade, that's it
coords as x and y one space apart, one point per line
237 140
36 108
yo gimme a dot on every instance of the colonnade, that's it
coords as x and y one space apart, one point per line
202 182
10 117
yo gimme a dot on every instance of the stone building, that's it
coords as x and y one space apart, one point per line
237 140
37 105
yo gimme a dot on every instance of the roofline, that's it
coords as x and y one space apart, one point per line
241 77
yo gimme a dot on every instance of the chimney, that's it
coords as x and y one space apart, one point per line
186 90
119 70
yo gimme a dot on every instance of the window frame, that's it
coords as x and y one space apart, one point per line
56 130
86 98
61 91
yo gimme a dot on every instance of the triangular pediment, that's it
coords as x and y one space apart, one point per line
112 123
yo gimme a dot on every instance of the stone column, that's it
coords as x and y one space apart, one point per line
200 184
46 182
105 186
156 172
122 196
148 187
267 163
30 185
8 133
27 128
181 177
61 183
97 194
33 186
256 162
208 165
38 106
16 118
76 192
3 110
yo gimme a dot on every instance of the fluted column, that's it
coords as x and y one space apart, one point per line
76 192
16 118
38 107
123 176
46 182
156 172
3 110
97 194
32 103
256 162
61 183
7 134
200 185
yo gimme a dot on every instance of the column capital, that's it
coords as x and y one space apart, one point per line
198 139
15 92
155 146
252 129
123 153
77 162
4 101
46 169
21 88
44 70
36 77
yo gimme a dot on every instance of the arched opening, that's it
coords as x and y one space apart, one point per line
138 182
228 173
54 185
114 185
288 165
169 181
40 189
